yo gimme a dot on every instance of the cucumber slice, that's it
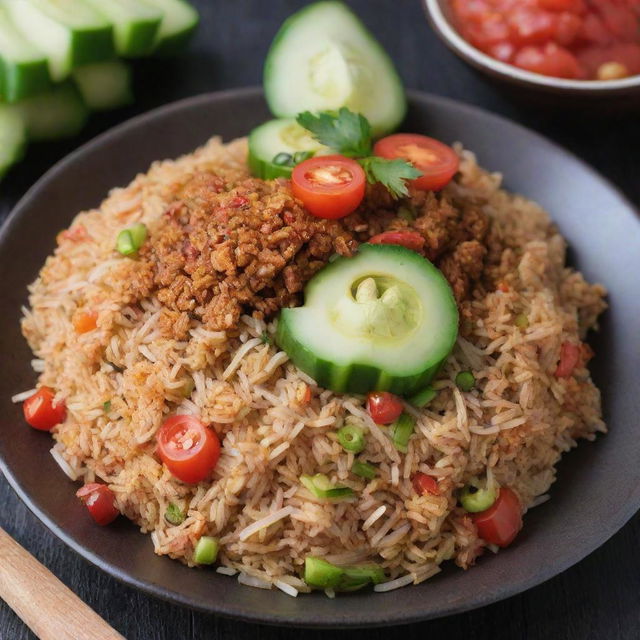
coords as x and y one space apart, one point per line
69 32
13 137
324 58
135 25
178 25
23 67
275 137
383 320
60 113
104 85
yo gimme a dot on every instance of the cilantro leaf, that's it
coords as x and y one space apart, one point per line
343 131
391 173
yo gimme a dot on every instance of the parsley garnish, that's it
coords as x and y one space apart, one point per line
349 134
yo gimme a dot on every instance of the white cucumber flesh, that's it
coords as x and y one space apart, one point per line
178 25
104 85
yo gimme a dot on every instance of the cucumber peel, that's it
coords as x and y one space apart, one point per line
13 137
324 58
383 320
178 25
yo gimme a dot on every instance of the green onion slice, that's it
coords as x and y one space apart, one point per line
522 322
423 398
283 159
174 515
475 500
465 381
351 438
131 239
401 431
364 470
206 551
320 573
355 578
106 406
320 486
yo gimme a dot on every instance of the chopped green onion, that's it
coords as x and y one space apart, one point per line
465 380
106 406
351 438
206 550
364 470
320 487
301 156
188 387
423 398
283 159
405 213
522 322
131 239
355 578
265 338
320 573
401 431
475 500
174 515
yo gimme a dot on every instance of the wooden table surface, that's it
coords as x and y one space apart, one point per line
597 599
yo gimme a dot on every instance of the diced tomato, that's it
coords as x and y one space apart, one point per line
409 239
568 27
593 30
41 410
329 186
85 321
574 6
531 26
569 359
77 233
100 502
502 51
437 162
502 521
620 21
424 484
188 448
549 60
384 407
492 30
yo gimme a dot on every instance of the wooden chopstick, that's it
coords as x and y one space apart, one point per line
50 609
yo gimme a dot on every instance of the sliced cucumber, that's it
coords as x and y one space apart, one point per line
104 85
23 67
13 137
275 137
324 58
135 23
179 22
60 113
383 320
69 32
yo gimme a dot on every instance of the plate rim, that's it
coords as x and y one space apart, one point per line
229 610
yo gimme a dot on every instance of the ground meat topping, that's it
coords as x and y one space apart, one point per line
222 250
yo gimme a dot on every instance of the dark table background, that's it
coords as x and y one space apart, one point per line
597 599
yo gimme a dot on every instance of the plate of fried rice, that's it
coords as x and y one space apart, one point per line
144 280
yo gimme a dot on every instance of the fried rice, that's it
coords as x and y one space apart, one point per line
123 379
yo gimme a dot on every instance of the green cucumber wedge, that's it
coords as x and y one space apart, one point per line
275 137
59 113
104 85
70 32
13 137
135 23
383 320
178 25
23 68
324 58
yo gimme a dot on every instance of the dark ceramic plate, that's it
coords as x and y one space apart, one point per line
599 484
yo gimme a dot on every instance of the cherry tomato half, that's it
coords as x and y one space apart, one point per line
500 523
437 162
42 412
188 448
384 407
100 502
424 484
329 186
409 239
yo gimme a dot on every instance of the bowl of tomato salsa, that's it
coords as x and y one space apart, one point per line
588 48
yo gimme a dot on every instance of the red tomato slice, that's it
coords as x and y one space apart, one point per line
424 484
329 186
437 162
569 359
188 449
100 502
409 239
42 412
384 407
550 60
502 521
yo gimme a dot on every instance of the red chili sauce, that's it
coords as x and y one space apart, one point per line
578 39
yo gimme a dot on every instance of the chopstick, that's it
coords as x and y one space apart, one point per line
50 609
